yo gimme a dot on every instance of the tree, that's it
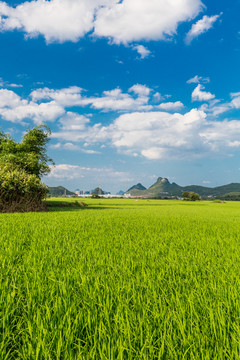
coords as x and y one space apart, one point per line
21 167
30 154
190 195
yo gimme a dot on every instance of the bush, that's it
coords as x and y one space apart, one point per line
191 196
21 167
20 191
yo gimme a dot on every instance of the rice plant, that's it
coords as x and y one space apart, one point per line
121 279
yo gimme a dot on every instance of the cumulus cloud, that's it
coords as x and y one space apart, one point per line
69 172
161 135
139 126
110 100
199 94
171 106
56 20
223 134
142 51
132 20
15 109
123 21
200 27
70 96
73 121
150 134
136 98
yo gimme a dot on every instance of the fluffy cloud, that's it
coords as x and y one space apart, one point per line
171 106
131 20
73 122
9 99
109 101
15 109
140 127
66 97
142 51
56 20
122 21
201 27
66 171
117 100
161 135
153 135
136 99
223 134
199 95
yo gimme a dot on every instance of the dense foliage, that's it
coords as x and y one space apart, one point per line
121 279
190 195
21 167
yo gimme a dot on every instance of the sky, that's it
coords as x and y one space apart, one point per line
132 90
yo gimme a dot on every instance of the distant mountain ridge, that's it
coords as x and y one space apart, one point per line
163 188
59 191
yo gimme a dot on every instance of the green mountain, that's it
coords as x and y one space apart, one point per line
163 188
98 191
137 187
59 191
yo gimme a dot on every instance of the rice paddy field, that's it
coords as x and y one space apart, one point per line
121 279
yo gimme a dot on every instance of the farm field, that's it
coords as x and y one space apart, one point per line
121 279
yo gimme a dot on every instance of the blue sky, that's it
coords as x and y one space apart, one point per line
132 89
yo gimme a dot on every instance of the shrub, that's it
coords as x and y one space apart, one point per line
190 195
20 191
21 167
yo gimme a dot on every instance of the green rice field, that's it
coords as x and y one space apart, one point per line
121 279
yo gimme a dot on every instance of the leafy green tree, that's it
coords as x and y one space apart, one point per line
190 195
21 167
30 154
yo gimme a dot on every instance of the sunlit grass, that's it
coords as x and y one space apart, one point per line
121 279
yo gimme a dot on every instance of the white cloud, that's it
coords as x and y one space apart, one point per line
142 51
215 108
15 109
111 100
122 21
66 97
223 134
7 84
139 128
200 27
72 147
116 100
171 106
56 20
73 121
9 99
38 113
235 103
134 20
161 135
66 171
150 134
200 95
66 146
198 79
141 90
